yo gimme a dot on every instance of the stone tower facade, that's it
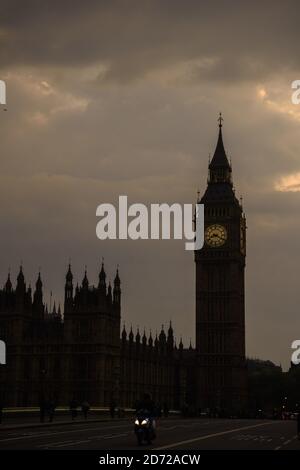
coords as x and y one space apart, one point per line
220 287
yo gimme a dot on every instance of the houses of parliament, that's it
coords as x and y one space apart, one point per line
83 353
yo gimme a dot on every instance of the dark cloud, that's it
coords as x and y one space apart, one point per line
109 98
132 38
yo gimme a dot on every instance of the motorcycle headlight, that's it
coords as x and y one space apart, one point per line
137 422
145 421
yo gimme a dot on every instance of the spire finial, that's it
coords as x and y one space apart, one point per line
220 120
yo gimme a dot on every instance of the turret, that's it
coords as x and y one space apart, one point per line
162 336
109 294
20 290
170 340
21 286
85 281
8 285
102 281
137 337
144 339
117 290
69 290
38 307
130 336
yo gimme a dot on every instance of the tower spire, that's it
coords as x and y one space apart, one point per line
117 289
220 119
222 262
219 166
8 284
102 278
69 290
85 282
38 307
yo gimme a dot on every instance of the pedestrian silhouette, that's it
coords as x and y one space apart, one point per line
73 409
42 410
85 406
50 410
112 409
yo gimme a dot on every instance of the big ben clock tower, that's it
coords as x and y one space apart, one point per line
220 306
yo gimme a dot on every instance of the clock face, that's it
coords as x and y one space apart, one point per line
215 235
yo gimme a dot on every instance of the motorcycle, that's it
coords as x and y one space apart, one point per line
144 429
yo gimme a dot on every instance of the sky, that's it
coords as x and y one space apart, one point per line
106 98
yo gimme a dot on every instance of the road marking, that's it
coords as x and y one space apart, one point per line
41 435
116 435
52 445
71 444
208 436
170 428
286 442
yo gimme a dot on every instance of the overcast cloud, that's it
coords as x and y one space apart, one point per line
122 97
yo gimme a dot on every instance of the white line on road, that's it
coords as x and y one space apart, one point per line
208 436
72 444
47 446
116 435
41 435
286 442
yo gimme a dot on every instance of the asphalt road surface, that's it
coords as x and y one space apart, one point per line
171 434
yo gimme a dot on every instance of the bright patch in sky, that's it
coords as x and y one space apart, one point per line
289 183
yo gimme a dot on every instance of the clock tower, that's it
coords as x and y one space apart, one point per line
220 305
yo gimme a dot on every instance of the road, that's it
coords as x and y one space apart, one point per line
172 434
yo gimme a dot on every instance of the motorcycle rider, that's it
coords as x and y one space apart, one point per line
147 407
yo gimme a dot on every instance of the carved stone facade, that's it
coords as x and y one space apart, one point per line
80 355
220 292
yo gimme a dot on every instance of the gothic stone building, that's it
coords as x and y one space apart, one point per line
220 302
84 355
81 355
